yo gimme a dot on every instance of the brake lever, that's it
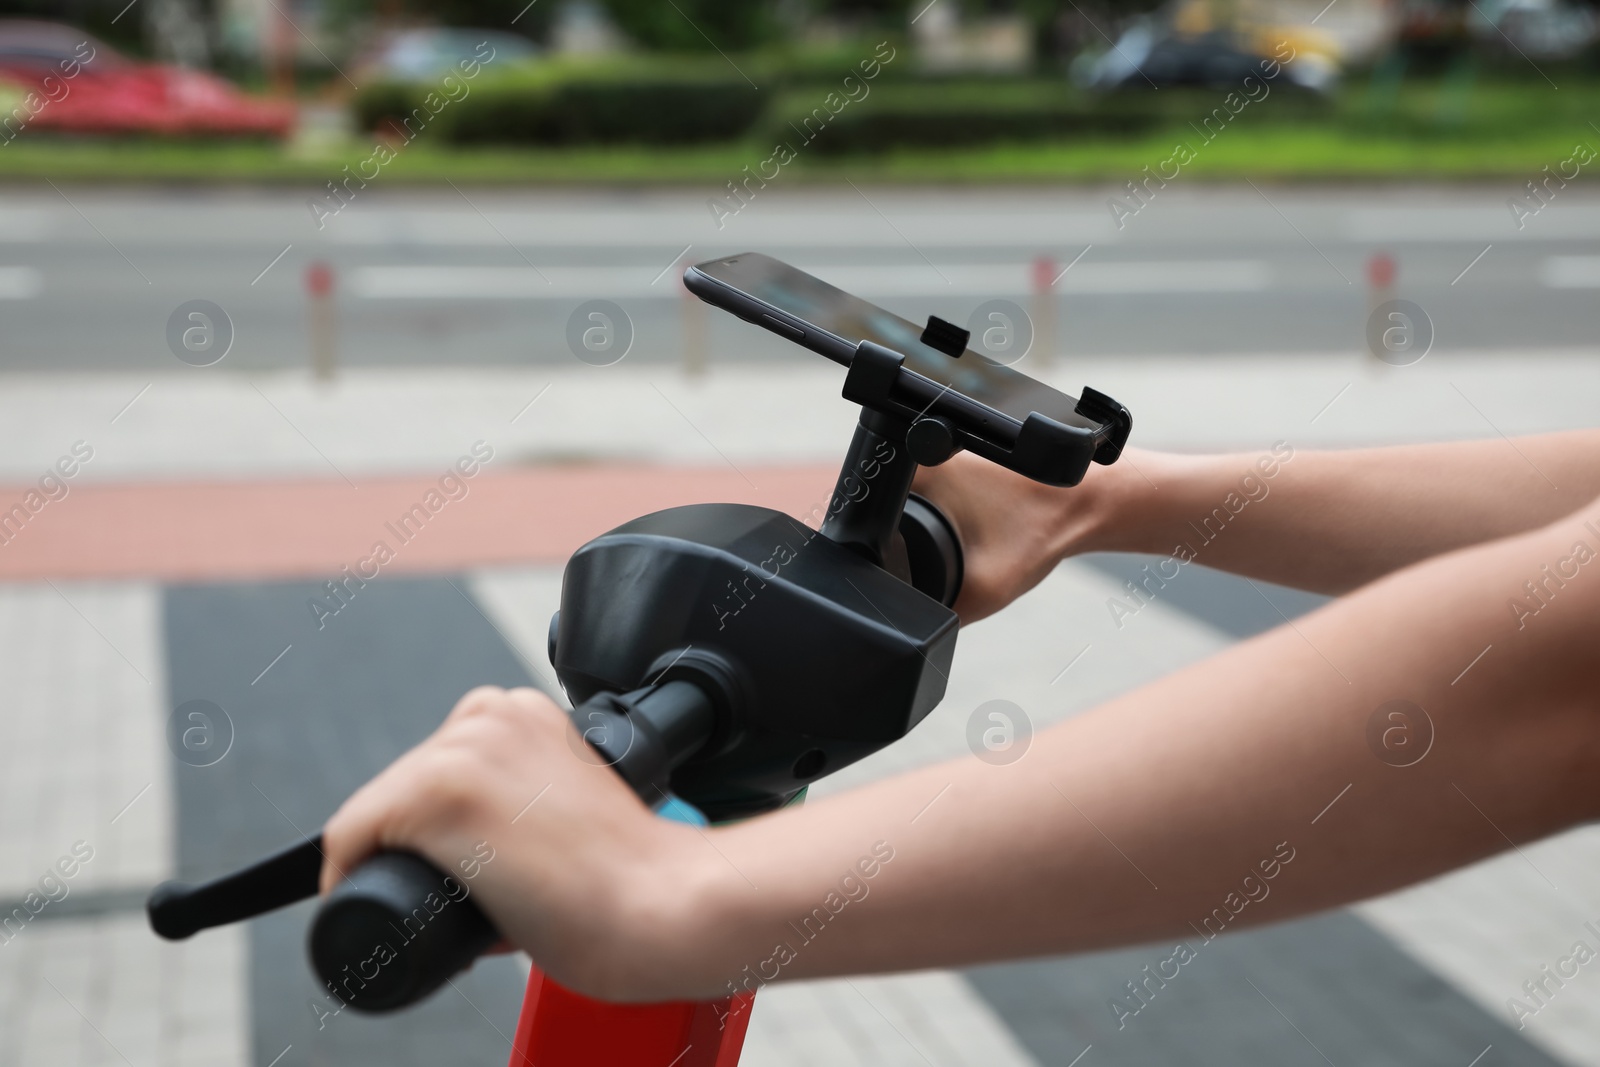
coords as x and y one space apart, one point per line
178 910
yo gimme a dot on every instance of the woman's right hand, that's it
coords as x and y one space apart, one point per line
1013 530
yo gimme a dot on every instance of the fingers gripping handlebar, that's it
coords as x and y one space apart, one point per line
396 928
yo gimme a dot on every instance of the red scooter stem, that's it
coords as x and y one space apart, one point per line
560 1028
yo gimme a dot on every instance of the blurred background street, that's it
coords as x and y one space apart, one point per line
490 278
269 268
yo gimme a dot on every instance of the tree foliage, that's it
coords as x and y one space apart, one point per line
697 25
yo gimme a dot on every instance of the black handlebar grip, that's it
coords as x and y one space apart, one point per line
394 931
397 927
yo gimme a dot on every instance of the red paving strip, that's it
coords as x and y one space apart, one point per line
267 529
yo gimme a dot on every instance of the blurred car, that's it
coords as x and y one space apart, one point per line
84 86
1545 28
1152 55
427 54
1199 42
1146 52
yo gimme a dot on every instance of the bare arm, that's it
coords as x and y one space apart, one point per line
1141 819
1326 521
1136 821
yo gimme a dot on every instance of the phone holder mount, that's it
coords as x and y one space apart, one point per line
1045 450
726 654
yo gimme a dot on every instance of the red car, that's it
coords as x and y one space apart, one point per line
56 77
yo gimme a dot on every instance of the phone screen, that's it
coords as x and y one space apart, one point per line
851 319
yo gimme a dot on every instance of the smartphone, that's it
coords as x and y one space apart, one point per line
988 401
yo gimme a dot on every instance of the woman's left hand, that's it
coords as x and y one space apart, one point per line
566 862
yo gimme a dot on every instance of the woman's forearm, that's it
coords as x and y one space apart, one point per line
1434 716
1331 521
1265 782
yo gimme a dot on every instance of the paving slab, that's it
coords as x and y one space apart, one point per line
340 705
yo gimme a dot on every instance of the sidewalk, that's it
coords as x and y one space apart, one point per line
208 424
177 563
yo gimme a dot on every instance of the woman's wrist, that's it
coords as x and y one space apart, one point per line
671 922
1110 509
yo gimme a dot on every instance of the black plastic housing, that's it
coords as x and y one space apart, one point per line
829 657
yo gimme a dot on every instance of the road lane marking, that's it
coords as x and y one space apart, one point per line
20 283
1489 221
879 280
837 228
24 225
1570 272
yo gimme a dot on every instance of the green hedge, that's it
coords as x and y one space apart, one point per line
622 103
802 99
697 25
933 114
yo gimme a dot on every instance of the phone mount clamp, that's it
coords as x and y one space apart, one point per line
945 337
725 654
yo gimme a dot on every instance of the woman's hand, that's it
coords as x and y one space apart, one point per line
1013 530
557 851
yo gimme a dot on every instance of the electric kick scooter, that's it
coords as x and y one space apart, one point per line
724 654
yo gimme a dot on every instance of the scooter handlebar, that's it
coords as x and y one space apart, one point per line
397 928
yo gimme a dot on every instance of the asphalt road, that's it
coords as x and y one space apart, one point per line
90 278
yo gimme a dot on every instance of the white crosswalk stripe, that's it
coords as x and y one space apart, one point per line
84 761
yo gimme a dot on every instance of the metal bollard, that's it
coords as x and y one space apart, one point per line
1044 310
694 331
320 319
1381 274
